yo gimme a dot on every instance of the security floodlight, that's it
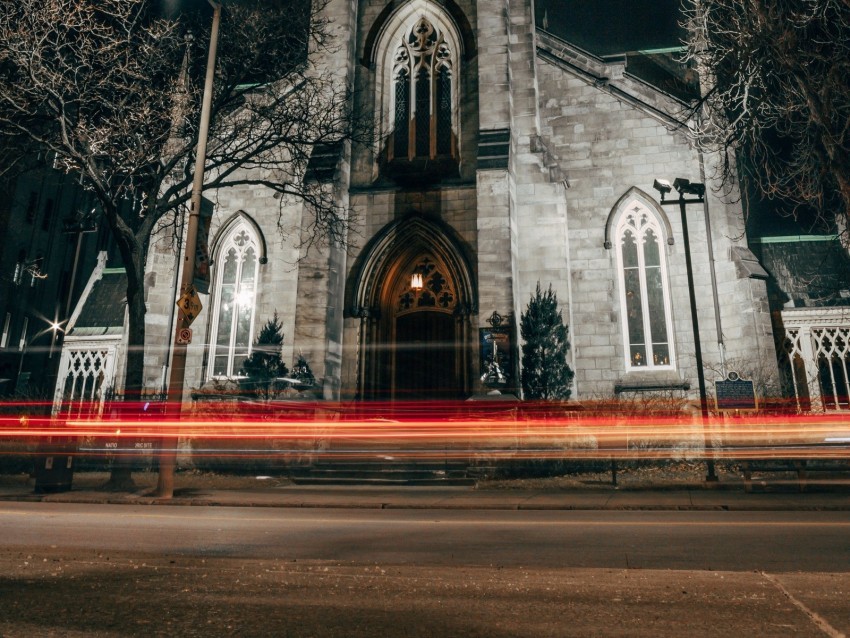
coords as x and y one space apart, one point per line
686 187
662 186
681 184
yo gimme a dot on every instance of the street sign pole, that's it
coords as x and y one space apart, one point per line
168 446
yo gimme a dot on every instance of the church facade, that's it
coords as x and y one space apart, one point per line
507 159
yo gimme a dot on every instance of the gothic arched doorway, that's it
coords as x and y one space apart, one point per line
414 336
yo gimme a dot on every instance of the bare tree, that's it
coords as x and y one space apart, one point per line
777 104
110 90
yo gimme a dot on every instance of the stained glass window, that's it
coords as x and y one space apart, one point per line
423 114
401 139
444 113
644 290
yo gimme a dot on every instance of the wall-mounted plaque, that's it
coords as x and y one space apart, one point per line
735 393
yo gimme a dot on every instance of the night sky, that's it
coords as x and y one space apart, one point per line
601 27
612 27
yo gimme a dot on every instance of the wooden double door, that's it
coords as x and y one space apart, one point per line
425 356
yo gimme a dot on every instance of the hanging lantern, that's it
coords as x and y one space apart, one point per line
416 281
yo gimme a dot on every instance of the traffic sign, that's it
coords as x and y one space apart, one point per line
190 304
184 336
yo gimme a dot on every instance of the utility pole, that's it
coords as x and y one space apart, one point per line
168 446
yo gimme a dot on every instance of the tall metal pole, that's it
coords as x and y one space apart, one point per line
711 476
168 447
721 346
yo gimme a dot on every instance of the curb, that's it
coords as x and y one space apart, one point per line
831 502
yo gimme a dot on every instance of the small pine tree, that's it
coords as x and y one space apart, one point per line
545 372
265 364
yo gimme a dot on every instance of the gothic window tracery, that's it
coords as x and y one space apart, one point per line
436 292
423 96
644 290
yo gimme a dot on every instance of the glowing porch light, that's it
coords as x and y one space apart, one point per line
416 281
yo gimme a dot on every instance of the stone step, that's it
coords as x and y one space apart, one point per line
377 482
379 471
387 472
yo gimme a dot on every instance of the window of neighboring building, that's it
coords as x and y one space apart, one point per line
20 266
32 207
23 342
644 289
236 273
421 97
47 216
4 340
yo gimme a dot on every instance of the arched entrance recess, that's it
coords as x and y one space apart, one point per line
414 344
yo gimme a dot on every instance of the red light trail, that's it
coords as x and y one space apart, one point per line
444 429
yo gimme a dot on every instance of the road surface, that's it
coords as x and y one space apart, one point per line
115 570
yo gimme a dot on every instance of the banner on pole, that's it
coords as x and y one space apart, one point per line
201 280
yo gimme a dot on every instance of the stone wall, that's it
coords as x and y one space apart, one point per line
578 134
277 286
609 137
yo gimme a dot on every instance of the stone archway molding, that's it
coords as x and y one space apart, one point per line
397 243
394 12
227 226
634 193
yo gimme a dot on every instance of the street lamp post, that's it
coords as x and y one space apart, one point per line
53 327
697 191
168 452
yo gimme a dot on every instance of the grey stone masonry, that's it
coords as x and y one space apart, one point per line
540 209
609 137
493 78
551 145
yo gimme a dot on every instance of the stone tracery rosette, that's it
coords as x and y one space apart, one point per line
436 292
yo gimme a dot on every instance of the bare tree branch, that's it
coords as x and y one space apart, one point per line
778 101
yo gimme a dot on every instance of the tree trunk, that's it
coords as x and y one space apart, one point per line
133 256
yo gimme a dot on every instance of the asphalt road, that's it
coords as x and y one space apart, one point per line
100 570
776 541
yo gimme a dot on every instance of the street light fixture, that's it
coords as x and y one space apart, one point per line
697 192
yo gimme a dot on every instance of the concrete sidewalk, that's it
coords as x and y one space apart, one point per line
459 498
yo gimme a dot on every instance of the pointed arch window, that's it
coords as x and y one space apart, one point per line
235 296
644 290
423 113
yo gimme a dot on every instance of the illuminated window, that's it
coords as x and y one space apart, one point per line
236 270
644 289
